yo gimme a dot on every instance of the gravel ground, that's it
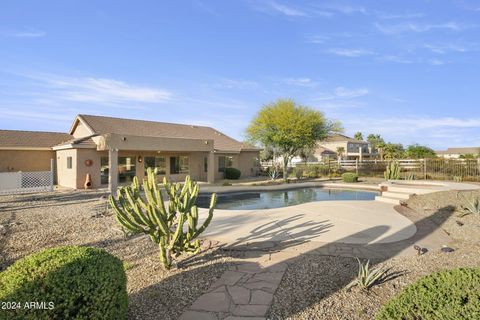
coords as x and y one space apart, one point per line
314 285
29 223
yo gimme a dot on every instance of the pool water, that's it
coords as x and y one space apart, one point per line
284 198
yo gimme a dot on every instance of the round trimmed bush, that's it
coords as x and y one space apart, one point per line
350 177
449 294
232 173
65 283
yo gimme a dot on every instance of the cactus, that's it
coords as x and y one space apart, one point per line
409 176
163 222
393 171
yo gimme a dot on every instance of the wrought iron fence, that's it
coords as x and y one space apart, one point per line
433 169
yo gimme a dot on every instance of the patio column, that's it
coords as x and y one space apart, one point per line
360 151
211 168
112 170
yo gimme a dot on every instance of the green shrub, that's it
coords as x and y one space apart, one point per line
232 173
449 294
298 173
350 177
81 282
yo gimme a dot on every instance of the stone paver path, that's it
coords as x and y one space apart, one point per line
243 292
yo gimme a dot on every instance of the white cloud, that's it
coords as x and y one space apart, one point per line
386 16
236 84
301 82
416 27
397 59
346 9
436 62
28 33
99 90
350 93
445 48
351 53
343 93
285 10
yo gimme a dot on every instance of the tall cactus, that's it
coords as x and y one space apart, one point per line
163 222
393 171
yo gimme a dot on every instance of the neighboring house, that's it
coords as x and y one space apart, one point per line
114 150
28 150
352 148
327 149
455 153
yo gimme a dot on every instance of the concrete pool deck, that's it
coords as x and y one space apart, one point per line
355 222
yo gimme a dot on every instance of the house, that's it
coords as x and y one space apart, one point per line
455 153
352 148
28 150
114 150
328 149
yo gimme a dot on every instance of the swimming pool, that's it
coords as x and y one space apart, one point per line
251 200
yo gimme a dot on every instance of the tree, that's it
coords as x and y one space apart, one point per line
416 151
305 153
393 150
289 127
358 135
340 152
376 141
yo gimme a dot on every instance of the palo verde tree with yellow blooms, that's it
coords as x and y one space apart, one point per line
288 128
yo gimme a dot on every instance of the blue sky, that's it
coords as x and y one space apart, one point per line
408 70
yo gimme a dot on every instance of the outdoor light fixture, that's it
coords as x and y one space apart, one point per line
140 159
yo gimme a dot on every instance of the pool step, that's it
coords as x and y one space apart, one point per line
396 195
387 200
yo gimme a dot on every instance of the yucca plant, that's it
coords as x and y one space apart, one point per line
163 222
471 206
367 277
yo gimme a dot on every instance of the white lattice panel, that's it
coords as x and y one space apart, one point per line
25 182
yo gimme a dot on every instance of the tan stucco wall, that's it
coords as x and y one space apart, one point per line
25 160
246 163
67 177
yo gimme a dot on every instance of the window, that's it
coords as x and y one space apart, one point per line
126 169
103 170
224 162
205 164
179 165
158 163
69 162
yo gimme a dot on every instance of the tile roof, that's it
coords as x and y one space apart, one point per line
83 141
31 139
340 137
465 150
103 125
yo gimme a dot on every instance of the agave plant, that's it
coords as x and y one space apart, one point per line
471 206
367 277
273 174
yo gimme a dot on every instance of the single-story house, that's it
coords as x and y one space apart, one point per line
28 150
455 153
114 150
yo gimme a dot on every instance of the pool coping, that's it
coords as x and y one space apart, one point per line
281 187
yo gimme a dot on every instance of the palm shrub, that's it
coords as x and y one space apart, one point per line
471 206
393 171
350 177
163 222
72 283
448 294
366 277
